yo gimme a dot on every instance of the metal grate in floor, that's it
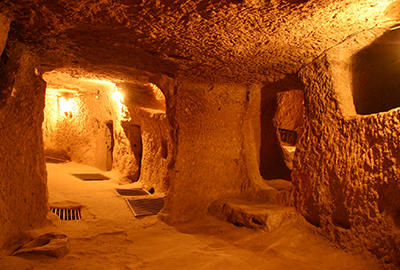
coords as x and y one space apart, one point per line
91 176
67 214
145 207
131 192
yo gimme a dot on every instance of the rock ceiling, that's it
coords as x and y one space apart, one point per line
238 40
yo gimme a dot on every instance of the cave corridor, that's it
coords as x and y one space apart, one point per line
267 133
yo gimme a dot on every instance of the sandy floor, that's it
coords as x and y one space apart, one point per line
110 237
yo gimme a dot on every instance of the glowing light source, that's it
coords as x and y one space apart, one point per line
119 98
66 106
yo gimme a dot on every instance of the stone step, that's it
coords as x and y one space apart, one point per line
254 215
276 192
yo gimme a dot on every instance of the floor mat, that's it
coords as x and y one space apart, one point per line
91 176
145 207
131 192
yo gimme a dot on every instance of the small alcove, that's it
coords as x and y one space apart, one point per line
282 115
376 75
288 120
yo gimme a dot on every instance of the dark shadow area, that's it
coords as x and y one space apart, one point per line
376 75
272 164
8 70
389 201
110 144
134 135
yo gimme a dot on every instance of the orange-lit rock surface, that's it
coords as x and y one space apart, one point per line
346 170
211 40
23 189
222 67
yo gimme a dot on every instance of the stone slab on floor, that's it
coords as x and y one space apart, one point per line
254 215
49 244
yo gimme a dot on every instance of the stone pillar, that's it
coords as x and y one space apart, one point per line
209 146
23 178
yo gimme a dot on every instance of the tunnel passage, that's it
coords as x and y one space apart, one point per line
118 125
272 156
134 135
110 141
80 119
288 121
376 75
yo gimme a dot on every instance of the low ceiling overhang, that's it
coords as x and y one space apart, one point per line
236 40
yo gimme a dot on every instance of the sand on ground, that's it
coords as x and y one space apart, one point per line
110 237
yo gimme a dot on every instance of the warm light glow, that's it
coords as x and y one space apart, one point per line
158 94
103 82
66 106
119 98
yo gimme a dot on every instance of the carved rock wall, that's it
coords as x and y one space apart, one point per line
83 133
290 111
78 133
212 150
272 164
23 187
346 169
156 144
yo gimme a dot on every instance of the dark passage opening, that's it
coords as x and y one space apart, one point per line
134 135
376 75
272 161
110 144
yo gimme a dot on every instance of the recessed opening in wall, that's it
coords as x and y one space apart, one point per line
164 149
109 141
144 95
288 121
102 123
376 75
281 121
134 136
80 115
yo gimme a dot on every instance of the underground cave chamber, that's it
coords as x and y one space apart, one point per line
96 123
222 131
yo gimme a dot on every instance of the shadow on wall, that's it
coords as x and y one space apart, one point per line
272 164
376 75
134 135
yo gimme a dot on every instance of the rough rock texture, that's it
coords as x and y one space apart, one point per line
220 65
23 190
4 28
140 144
290 112
237 40
346 171
272 164
207 162
254 215
375 67
4 83
81 133
49 244
156 143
